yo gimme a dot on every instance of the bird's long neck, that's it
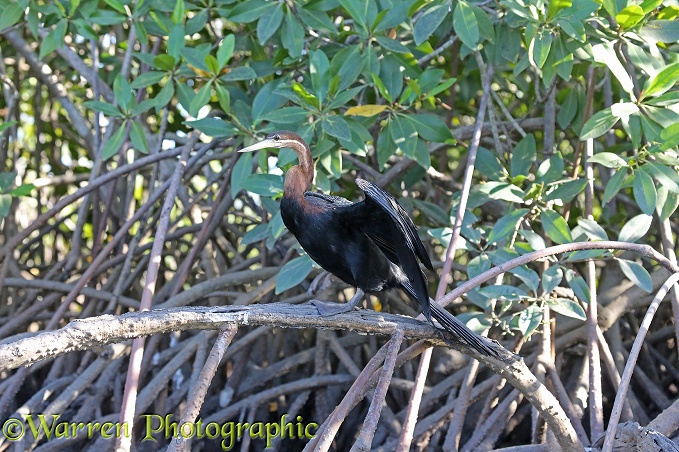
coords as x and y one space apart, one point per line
299 177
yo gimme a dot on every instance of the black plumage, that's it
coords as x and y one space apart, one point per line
371 244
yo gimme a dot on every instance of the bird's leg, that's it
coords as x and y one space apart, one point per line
326 308
321 282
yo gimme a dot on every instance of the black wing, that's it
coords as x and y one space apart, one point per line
386 223
375 195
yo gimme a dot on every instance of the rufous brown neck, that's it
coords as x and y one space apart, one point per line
299 177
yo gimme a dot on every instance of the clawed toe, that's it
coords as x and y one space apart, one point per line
326 308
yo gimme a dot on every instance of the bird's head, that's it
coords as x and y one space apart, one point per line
280 139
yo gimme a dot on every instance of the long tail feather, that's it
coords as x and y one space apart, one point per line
460 330
452 325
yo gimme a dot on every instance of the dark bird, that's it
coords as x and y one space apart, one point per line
371 244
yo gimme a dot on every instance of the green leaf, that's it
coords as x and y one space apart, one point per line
319 67
263 184
225 51
557 5
392 45
478 265
224 98
629 16
600 123
239 73
211 64
606 55
7 124
164 62
147 79
357 9
103 107
112 146
178 13
213 127
551 278
176 42
5 204
10 15
660 31
241 171
428 23
292 36
567 307
668 177
337 127
286 115
23 190
404 134
609 160
579 286
506 225
592 229
249 11
165 95
644 192
7 180
503 292
635 228
200 99
465 24
541 45
529 320
54 39
637 274
269 23
138 137
122 92
613 186
662 82
668 207
555 227
524 156
670 135
567 191
266 100
568 110
293 273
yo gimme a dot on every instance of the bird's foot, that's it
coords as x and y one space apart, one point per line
327 308
321 282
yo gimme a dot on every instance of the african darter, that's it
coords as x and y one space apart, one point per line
371 245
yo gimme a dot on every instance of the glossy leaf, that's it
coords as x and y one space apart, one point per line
466 25
567 307
429 22
555 227
506 225
523 156
551 278
293 273
637 274
644 192
112 145
635 228
600 123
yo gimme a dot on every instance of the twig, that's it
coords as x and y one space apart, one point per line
370 425
631 362
195 400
